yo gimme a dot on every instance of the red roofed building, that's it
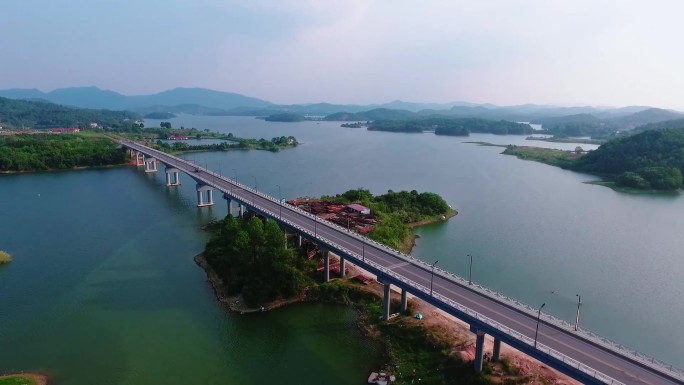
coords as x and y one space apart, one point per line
357 208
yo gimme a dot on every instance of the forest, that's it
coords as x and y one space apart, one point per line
653 159
251 258
452 126
57 151
40 115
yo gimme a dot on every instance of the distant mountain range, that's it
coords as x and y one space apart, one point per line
200 101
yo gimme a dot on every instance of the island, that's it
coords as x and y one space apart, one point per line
452 126
254 267
5 257
285 117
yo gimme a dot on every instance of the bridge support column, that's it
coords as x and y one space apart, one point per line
404 301
479 350
343 267
150 165
299 240
139 159
240 210
326 265
386 301
201 188
176 180
496 354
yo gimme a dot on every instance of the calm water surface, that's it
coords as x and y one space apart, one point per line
103 257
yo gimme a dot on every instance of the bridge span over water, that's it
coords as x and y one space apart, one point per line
584 356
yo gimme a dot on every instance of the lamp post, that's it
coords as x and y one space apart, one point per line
579 303
432 275
537 329
231 185
470 275
280 203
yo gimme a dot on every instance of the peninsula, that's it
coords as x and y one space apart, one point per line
650 160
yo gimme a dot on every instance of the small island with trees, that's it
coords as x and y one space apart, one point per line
452 126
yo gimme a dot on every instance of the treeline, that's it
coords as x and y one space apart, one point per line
60 151
396 210
251 258
285 117
452 126
653 159
40 115
273 145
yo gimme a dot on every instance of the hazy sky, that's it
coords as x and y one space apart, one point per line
568 52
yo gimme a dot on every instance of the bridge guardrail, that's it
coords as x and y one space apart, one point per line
604 342
504 329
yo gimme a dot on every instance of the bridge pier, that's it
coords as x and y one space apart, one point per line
176 178
479 350
326 265
496 353
139 158
201 188
479 347
385 301
299 240
150 165
404 301
343 267
229 203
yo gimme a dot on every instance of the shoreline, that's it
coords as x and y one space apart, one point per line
35 378
409 242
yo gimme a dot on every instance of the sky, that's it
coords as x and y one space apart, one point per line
562 52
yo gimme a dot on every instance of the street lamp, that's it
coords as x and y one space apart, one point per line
280 203
537 329
432 275
256 188
579 303
470 275
231 185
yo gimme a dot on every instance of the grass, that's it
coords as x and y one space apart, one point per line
17 380
4 258
544 155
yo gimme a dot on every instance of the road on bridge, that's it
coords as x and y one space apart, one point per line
567 342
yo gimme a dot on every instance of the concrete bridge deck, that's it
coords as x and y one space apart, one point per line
582 355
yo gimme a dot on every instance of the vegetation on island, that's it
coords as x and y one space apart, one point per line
159 115
285 117
27 152
452 126
4 257
251 258
397 212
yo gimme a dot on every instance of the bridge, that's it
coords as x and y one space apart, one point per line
580 354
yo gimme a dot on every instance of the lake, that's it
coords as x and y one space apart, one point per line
103 258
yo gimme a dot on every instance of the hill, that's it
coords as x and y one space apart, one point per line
451 126
93 97
651 159
651 115
40 115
